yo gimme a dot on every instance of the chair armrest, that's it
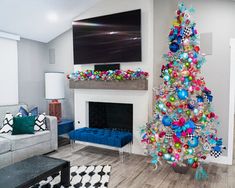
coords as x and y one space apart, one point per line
51 123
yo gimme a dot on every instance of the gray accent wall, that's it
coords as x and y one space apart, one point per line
63 62
32 62
33 58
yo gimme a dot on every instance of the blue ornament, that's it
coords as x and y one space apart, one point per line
174 47
200 99
190 106
166 121
182 94
190 124
217 148
210 98
179 39
194 143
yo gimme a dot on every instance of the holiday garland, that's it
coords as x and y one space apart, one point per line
108 75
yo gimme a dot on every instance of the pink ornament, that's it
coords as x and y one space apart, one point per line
174 164
177 156
184 134
195 61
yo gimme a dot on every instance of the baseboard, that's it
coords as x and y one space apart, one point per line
221 160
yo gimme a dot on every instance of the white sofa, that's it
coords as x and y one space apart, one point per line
15 148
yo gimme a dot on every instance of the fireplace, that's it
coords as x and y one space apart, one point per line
117 116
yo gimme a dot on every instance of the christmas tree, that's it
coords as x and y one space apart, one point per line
183 131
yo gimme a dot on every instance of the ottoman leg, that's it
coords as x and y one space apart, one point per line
72 144
121 154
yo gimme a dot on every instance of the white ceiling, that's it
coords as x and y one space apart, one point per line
29 18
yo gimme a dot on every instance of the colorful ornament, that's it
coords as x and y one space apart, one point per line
166 121
174 47
182 94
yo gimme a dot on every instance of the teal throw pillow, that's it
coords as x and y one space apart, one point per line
23 125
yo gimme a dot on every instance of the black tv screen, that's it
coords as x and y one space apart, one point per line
108 39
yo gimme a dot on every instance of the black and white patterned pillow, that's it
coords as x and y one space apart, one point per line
40 123
7 124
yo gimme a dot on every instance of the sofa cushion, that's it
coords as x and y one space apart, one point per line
5 145
26 140
5 159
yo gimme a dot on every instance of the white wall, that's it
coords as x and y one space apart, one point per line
106 7
211 16
8 72
141 100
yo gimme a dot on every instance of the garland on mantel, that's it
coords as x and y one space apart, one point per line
108 75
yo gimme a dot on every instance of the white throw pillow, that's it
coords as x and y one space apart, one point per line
7 124
40 123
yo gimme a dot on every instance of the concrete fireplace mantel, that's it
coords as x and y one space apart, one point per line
111 84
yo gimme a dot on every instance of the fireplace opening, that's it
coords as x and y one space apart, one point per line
114 116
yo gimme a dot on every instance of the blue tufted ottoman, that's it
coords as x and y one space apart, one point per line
107 137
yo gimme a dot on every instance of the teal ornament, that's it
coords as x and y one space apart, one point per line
154 161
190 60
166 121
161 106
185 55
190 151
167 156
195 111
198 66
190 161
193 143
172 159
166 141
182 94
174 47
166 77
180 110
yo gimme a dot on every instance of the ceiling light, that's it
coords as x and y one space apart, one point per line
52 17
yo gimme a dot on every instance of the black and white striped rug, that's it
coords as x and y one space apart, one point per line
81 176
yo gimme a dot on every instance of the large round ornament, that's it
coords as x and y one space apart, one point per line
190 161
194 143
172 98
167 156
182 94
166 121
174 47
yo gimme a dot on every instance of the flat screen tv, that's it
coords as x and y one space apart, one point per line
112 38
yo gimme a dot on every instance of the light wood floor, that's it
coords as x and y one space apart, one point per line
135 172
